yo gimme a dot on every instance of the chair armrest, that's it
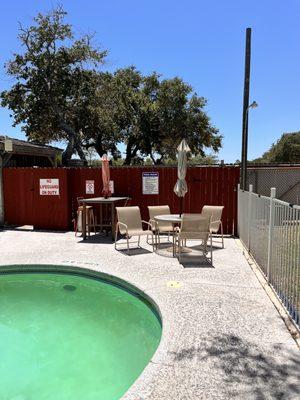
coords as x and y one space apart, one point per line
147 223
153 223
121 223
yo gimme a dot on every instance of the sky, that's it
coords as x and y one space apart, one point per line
203 42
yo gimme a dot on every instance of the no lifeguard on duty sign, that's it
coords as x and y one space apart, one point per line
49 187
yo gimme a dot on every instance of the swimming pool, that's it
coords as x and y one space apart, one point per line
65 336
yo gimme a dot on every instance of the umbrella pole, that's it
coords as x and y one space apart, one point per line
180 206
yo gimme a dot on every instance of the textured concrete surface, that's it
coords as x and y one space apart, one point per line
222 336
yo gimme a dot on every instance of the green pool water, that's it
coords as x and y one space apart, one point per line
68 337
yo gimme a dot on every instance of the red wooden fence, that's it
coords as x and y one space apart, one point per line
23 203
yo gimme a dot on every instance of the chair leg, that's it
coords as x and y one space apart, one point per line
116 238
222 235
175 244
179 249
93 217
139 239
76 224
152 243
79 221
211 250
128 245
88 222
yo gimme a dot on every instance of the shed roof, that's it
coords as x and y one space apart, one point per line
28 148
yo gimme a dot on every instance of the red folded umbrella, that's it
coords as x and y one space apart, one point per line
105 177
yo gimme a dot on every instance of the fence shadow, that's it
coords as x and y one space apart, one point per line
259 375
30 229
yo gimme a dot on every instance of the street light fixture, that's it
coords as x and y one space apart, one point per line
253 105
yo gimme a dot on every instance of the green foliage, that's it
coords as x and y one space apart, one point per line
54 78
285 150
60 94
154 115
209 159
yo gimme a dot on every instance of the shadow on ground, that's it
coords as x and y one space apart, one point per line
98 238
134 251
188 261
245 365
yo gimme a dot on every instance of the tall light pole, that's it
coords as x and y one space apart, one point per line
245 110
245 148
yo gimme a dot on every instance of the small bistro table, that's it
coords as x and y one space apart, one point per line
173 219
112 201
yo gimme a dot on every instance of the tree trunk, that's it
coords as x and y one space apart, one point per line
80 152
131 151
73 145
98 146
159 161
69 151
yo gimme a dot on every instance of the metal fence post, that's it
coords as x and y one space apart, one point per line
271 229
249 215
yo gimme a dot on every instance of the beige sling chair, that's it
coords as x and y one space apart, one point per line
130 224
215 212
160 227
195 227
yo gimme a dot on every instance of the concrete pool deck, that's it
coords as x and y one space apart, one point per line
222 336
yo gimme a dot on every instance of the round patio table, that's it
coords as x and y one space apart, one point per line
174 219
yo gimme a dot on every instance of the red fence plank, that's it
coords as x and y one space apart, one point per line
24 205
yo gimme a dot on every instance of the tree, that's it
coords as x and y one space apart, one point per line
182 116
209 159
154 115
101 115
90 155
60 94
285 150
54 78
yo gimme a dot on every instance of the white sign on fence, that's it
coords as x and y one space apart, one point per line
8 145
111 187
89 187
49 187
150 183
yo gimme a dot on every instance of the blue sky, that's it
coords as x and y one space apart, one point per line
199 41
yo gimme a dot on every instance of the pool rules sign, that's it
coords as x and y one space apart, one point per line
150 183
49 187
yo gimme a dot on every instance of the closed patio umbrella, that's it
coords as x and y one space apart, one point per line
180 187
105 177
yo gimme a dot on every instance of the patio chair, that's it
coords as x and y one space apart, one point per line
215 212
130 224
160 226
194 227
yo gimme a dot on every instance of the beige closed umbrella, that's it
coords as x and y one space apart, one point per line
180 187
